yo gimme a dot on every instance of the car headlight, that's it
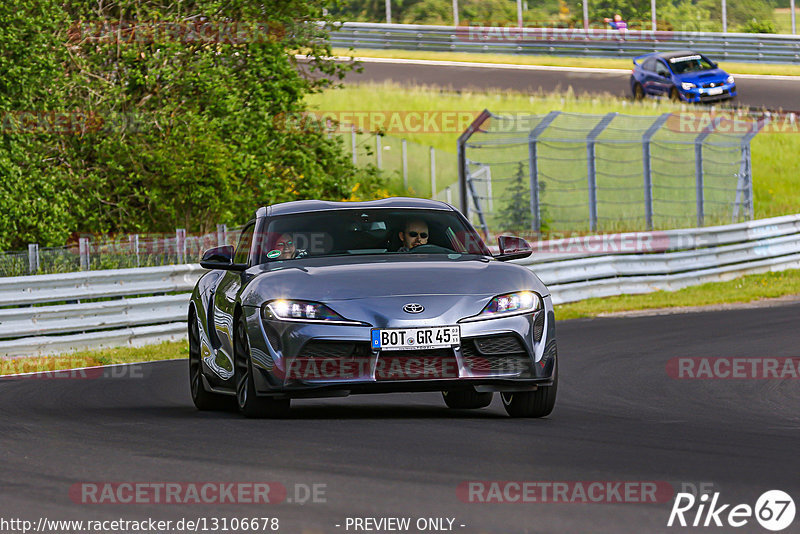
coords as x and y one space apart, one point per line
509 304
729 79
303 311
686 86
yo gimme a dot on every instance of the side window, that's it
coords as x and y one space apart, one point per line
243 248
662 70
649 64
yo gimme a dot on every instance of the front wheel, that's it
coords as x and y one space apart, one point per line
250 404
203 400
674 95
466 399
537 403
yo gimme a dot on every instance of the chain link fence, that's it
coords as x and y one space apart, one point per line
116 252
580 172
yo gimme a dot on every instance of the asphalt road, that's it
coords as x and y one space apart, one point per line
619 417
772 93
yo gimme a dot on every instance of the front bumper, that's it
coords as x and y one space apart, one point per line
315 360
704 94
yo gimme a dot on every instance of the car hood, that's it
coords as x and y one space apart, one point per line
706 76
348 278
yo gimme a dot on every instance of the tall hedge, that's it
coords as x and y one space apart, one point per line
165 114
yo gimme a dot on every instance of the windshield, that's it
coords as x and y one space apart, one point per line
371 231
693 63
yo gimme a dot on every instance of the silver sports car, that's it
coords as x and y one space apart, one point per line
325 299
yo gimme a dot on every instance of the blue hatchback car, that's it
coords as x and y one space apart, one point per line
681 75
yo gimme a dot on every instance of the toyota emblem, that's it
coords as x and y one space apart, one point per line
413 307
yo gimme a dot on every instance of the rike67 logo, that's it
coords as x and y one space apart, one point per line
774 510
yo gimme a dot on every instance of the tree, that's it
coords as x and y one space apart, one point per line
516 217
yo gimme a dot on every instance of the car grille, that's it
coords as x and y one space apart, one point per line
478 360
432 364
498 345
712 85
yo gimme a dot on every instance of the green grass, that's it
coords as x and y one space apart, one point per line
744 289
74 360
774 154
559 61
783 19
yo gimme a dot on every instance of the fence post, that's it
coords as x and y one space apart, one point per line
744 185
433 172
461 143
698 169
83 248
222 238
533 166
591 166
646 163
33 258
353 143
180 245
134 243
378 148
405 164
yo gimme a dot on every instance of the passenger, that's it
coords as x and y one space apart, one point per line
414 234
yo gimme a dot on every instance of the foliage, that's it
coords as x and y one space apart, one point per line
168 128
516 216
759 26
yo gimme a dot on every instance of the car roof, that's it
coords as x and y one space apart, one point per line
677 53
305 206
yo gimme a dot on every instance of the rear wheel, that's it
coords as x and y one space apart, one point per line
203 400
537 403
638 92
248 402
466 399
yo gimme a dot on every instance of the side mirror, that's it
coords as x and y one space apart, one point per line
512 248
221 258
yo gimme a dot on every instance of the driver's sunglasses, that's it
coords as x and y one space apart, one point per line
423 235
283 244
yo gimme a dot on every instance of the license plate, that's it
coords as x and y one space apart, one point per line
715 91
435 337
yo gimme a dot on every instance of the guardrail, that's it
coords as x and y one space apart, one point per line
609 43
133 315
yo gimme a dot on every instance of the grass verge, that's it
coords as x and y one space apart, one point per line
772 69
744 289
91 358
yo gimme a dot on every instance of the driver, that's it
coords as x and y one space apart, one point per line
414 234
286 245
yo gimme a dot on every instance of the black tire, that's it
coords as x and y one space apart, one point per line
638 92
250 404
674 95
203 400
537 403
466 399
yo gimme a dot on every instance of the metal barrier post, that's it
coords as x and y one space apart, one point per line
378 151
698 169
433 172
222 238
463 187
134 243
405 164
533 167
180 244
353 143
646 162
33 258
83 248
591 166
